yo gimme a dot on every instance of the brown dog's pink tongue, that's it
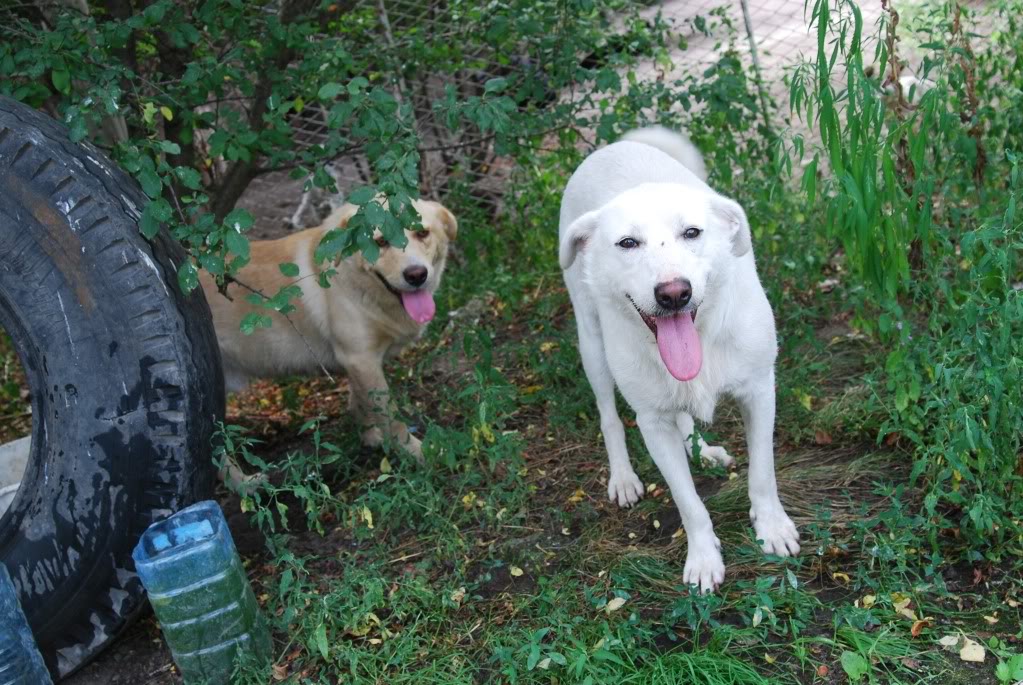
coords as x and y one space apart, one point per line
419 304
679 345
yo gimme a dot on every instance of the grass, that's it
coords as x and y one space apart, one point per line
502 561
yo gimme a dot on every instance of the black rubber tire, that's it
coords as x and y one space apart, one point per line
125 377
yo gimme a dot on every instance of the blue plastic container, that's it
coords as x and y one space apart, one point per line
20 660
200 593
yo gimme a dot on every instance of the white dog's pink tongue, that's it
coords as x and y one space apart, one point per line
679 345
419 304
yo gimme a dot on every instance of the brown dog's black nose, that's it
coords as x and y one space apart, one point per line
415 275
673 295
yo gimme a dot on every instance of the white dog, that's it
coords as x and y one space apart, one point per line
669 307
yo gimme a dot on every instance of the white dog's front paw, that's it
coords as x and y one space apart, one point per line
704 565
624 487
715 455
775 530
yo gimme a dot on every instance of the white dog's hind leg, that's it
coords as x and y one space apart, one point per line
704 566
710 454
623 485
772 525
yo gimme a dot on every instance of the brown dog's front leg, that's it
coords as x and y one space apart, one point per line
372 403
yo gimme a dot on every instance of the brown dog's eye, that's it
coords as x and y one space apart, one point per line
422 234
382 242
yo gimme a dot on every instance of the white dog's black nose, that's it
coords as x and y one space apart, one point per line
415 275
673 295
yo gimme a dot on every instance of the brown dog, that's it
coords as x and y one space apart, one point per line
369 312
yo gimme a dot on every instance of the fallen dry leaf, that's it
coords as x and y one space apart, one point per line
949 642
868 601
843 577
822 438
822 671
515 571
565 531
972 651
367 516
280 672
577 496
769 659
908 613
614 605
918 626
992 619
458 595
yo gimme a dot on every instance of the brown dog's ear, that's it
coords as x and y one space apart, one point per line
449 221
340 217
338 220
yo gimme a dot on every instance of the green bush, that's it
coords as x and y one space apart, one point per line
922 196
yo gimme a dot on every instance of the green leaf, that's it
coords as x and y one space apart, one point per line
288 269
357 84
213 263
155 213
148 113
169 147
237 243
321 639
188 277
253 320
1010 671
61 81
362 195
189 177
238 220
151 183
329 91
495 85
855 666
534 657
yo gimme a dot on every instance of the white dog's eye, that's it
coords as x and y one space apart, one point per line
691 233
628 243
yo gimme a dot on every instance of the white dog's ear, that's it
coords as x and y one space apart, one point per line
734 217
576 237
